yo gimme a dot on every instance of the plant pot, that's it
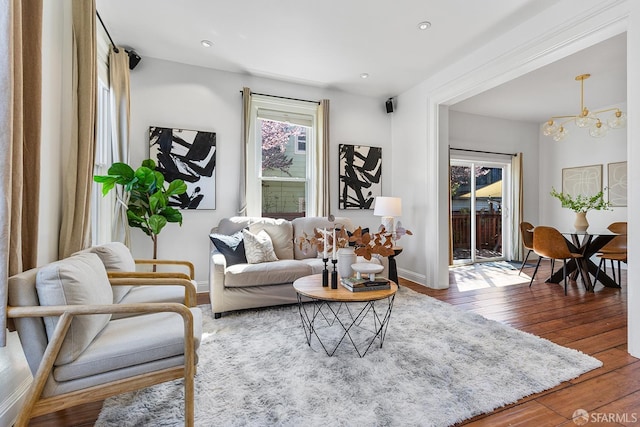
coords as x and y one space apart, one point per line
581 223
346 257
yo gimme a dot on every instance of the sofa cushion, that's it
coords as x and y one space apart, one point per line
116 257
258 247
232 247
266 273
281 233
79 279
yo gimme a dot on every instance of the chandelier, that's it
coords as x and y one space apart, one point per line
556 128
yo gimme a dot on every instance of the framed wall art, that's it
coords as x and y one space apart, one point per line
617 183
585 180
360 170
189 155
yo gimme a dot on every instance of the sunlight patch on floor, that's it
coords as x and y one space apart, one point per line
486 275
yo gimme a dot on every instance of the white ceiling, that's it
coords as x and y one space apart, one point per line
330 43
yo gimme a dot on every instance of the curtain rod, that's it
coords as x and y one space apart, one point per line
108 35
483 152
284 97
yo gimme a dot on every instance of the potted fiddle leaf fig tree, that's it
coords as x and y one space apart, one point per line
148 196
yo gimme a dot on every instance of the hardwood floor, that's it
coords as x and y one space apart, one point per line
594 323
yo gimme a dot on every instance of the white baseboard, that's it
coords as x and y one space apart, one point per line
420 279
202 286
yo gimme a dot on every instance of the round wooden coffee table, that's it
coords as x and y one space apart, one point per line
333 315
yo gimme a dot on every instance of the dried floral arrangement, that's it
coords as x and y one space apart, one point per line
366 244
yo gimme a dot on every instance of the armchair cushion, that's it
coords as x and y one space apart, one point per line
232 247
132 341
116 257
77 280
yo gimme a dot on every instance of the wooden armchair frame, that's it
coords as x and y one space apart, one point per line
156 262
126 278
36 405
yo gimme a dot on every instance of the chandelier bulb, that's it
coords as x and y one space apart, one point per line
618 121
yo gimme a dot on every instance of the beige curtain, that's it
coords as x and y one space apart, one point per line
119 93
323 199
517 251
246 122
20 107
76 193
450 210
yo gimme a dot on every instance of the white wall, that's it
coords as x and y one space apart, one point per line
578 149
176 95
567 27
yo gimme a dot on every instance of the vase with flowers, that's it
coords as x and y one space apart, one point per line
581 204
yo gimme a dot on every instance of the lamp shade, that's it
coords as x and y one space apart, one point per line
388 206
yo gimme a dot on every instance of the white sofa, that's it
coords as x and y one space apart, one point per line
244 285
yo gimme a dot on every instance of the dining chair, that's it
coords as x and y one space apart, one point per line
615 250
549 243
527 240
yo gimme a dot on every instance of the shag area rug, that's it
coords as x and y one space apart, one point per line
486 275
439 365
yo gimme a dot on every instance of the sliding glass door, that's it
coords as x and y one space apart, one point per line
477 210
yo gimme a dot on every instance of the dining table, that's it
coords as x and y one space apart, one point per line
587 243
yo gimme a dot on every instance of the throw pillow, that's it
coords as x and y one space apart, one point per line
77 280
258 247
232 247
116 257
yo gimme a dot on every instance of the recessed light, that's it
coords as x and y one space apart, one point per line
364 75
206 43
424 25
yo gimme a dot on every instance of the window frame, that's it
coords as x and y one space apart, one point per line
288 110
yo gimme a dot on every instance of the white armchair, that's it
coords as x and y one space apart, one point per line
79 354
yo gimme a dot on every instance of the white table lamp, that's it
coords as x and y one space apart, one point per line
388 208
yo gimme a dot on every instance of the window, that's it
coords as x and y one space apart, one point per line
102 207
280 157
301 142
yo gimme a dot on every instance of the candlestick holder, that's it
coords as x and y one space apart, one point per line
325 273
334 275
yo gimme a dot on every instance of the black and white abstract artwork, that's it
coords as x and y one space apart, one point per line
189 155
360 172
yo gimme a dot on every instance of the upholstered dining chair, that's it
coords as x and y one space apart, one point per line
78 353
615 250
549 243
526 231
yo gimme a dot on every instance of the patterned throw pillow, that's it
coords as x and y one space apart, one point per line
258 247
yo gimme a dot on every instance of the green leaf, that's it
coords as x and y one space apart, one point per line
121 170
156 202
146 177
156 223
176 187
172 214
149 163
159 179
108 182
